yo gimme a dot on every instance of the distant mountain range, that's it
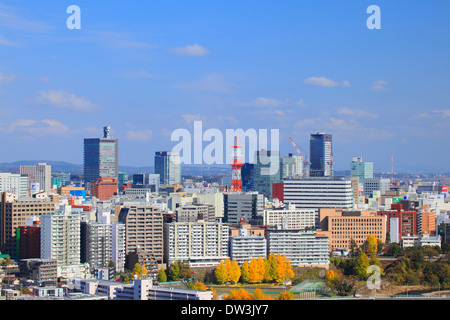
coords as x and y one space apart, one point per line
61 166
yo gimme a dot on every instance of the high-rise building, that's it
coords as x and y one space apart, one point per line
360 169
122 179
266 171
238 207
168 166
39 175
291 166
101 157
143 233
146 181
13 183
247 177
96 244
245 246
61 237
321 155
375 184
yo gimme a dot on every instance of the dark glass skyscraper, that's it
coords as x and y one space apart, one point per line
101 157
168 166
320 152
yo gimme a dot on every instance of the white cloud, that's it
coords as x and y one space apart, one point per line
325 82
139 135
195 50
6 78
263 102
444 113
190 118
65 100
142 74
379 86
357 113
35 128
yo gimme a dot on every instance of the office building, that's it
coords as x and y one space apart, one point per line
29 237
266 171
239 207
146 181
407 221
101 157
303 248
248 177
360 169
122 180
315 193
321 155
168 166
105 188
291 166
200 243
375 184
14 183
39 176
342 227
14 213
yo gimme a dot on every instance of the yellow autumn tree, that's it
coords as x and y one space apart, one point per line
199 286
271 266
256 270
245 272
221 272
240 294
259 295
371 245
285 296
234 272
284 269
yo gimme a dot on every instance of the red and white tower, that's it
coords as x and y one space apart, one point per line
236 182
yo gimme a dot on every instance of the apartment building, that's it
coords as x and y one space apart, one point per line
39 269
290 217
303 248
96 244
143 232
194 211
200 243
245 247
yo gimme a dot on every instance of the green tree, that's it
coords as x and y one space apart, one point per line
395 250
174 271
162 276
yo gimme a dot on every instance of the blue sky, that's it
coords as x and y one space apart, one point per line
147 68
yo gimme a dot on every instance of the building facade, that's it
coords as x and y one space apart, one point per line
101 157
39 176
242 205
360 169
321 155
168 166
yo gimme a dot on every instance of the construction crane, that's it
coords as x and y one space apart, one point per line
305 159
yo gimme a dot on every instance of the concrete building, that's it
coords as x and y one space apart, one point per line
375 184
39 176
168 166
14 183
143 233
291 166
241 206
61 237
101 157
303 248
118 248
316 193
14 212
290 217
266 171
138 289
194 211
342 227
407 221
44 270
96 244
200 243
360 169
421 240
104 188
245 246
146 181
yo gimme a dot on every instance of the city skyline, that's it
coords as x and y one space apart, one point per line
300 67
